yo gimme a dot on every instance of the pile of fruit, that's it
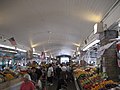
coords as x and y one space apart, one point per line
90 80
87 81
7 75
79 73
104 85
2 77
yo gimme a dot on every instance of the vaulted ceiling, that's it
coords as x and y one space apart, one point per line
54 26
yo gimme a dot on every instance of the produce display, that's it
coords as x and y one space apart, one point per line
7 75
79 73
2 77
88 79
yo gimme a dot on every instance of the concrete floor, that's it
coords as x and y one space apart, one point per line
71 86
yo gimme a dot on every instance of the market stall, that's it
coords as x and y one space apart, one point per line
89 79
8 78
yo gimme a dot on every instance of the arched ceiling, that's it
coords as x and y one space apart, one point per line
55 26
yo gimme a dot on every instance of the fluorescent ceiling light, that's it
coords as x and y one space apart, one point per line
9 51
119 24
33 49
77 48
21 50
10 47
78 52
95 28
36 53
4 46
91 44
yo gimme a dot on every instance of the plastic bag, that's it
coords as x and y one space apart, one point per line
39 84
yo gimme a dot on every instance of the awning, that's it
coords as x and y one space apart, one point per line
102 49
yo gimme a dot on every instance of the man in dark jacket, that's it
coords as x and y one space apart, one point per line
58 70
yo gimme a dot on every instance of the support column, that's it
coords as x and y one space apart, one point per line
109 58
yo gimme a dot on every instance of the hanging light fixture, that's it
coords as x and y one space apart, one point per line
91 44
10 47
33 49
95 28
118 24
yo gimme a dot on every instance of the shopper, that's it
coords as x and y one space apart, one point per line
27 84
38 72
29 71
44 78
34 75
69 73
64 70
50 74
58 71
62 84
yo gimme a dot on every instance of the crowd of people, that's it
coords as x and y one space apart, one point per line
43 75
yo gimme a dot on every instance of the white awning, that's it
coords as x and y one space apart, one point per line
102 49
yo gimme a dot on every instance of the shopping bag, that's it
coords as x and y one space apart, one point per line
39 84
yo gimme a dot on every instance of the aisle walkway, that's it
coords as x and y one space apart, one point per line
71 86
14 87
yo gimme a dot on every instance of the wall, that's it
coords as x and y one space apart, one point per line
109 58
113 16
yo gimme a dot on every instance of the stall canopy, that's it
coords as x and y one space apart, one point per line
102 49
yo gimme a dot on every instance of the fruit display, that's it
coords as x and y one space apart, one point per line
88 79
79 73
104 85
2 77
7 75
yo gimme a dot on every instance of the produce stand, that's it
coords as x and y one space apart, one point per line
89 79
9 78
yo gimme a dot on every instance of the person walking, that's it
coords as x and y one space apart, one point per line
50 74
69 73
62 84
27 83
58 71
34 75
44 78
64 70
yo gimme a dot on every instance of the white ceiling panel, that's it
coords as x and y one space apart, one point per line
51 24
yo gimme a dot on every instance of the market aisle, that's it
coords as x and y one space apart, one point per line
15 87
71 86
